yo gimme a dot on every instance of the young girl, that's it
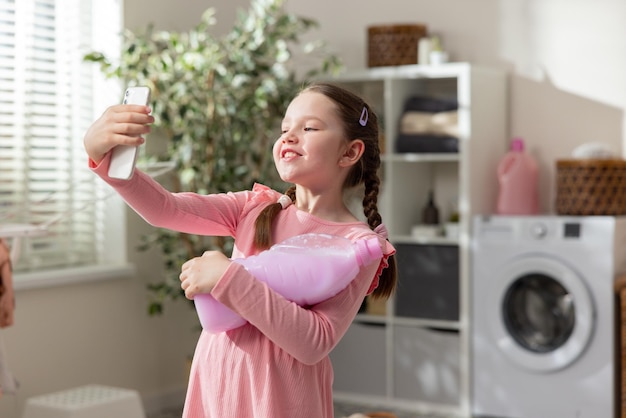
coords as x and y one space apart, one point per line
276 365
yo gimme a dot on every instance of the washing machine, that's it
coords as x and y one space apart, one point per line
543 315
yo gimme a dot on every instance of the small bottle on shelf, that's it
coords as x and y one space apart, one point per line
430 213
429 227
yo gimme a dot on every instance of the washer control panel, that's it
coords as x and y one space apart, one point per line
546 229
568 230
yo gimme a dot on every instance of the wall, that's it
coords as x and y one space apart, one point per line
180 15
567 87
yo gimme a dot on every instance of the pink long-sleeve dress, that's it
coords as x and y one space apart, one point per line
277 364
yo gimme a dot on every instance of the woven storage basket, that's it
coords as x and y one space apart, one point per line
591 187
393 44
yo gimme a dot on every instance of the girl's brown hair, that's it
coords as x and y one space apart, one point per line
350 108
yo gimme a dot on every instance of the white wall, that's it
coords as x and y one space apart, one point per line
567 86
179 15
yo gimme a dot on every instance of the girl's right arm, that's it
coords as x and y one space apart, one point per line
184 212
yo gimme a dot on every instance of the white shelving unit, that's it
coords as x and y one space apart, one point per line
418 363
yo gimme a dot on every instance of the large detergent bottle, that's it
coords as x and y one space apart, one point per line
518 188
305 269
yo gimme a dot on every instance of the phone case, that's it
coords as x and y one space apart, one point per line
123 157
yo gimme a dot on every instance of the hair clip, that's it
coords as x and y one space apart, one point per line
364 117
284 201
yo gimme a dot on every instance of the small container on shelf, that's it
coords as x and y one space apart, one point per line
451 230
430 227
430 213
437 55
451 226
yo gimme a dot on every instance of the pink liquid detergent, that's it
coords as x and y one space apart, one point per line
305 269
518 178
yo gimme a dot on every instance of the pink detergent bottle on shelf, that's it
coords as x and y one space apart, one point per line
518 187
305 269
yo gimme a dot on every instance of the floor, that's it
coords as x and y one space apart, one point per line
341 411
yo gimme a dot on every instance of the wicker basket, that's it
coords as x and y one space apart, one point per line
393 44
591 187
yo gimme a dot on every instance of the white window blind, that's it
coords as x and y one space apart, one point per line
48 99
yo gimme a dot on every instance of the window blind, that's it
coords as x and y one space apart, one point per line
48 99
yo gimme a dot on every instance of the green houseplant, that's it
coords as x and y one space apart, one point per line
218 102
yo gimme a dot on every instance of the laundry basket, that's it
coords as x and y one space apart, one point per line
591 187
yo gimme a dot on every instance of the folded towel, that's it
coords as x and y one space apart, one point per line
427 143
430 104
440 123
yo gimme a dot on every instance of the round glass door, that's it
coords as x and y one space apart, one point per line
539 313
542 314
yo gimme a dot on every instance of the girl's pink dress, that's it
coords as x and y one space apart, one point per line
276 365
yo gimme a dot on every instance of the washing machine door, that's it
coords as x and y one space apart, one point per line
543 316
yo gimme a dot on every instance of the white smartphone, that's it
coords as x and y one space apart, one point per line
123 157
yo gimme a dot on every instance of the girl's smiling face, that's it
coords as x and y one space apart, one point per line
312 142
